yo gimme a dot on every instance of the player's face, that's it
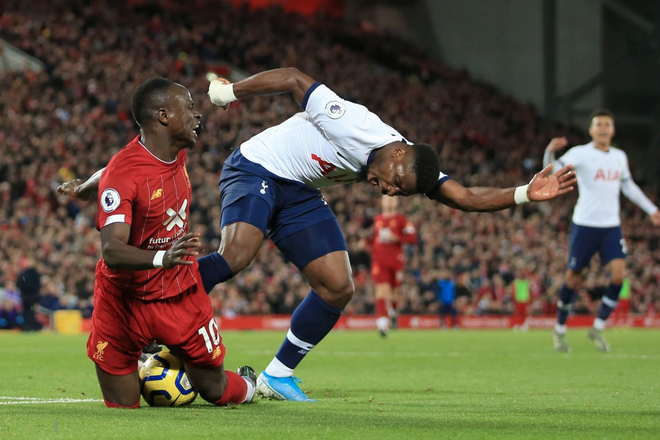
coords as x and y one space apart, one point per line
394 176
184 119
602 130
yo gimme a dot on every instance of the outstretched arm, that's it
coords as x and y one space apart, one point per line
543 186
83 190
270 82
118 254
637 196
555 145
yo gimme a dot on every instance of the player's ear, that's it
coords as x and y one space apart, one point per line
163 116
400 150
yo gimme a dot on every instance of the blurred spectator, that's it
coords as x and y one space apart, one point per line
69 120
29 285
446 294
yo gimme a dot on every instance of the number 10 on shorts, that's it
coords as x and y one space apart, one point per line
211 335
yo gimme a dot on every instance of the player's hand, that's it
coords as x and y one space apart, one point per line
75 188
220 93
557 144
655 218
186 246
545 186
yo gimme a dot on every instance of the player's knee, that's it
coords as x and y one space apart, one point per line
617 279
337 292
573 279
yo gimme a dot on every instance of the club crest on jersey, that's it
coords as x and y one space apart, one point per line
110 200
335 109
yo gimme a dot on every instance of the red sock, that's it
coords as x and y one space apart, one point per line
235 392
114 405
381 308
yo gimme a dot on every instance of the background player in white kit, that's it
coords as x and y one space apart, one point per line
269 188
602 173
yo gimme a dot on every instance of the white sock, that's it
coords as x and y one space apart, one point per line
383 323
599 324
560 329
250 391
278 369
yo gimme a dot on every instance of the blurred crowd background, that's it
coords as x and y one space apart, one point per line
69 120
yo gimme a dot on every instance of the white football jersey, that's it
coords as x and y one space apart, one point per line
599 174
326 145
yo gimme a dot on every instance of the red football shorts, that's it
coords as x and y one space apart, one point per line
122 326
387 272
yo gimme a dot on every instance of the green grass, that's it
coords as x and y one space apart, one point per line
414 384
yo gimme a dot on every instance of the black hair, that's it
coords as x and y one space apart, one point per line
600 112
426 167
148 97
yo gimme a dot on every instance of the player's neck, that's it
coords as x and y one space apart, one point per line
604 146
161 148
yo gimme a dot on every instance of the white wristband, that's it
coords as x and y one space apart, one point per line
520 195
220 93
158 259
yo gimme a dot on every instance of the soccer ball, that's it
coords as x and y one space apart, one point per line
163 381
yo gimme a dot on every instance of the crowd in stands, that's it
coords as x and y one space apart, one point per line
69 120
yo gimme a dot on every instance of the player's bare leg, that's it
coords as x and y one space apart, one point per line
331 278
119 391
239 244
220 387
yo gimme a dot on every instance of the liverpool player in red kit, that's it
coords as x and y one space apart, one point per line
391 231
148 286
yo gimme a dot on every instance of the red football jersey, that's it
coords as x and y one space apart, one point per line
389 234
153 196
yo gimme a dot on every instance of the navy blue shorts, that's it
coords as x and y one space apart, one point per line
294 215
586 241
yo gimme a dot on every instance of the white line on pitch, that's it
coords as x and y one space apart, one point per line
7 400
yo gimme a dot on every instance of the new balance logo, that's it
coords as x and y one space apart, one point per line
303 351
264 186
176 218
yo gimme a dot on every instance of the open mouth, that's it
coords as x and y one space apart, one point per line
197 128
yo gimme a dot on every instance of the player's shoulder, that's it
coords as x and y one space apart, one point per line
581 148
618 151
124 164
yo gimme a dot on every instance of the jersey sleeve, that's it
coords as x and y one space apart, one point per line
115 200
625 168
571 157
442 178
346 123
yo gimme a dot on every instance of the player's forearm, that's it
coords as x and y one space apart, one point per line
270 82
91 185
485 199
477 199
122 256
548 158
637 196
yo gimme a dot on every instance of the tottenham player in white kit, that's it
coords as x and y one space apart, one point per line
602 174
269 188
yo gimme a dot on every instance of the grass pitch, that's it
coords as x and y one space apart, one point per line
414 384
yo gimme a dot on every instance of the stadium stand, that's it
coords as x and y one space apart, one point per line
69 119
